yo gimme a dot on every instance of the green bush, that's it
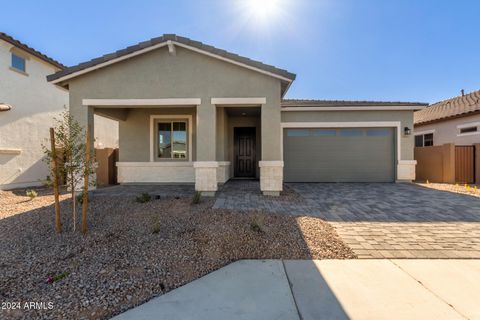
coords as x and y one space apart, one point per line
197 197
32 194
256 224
144 197
80 198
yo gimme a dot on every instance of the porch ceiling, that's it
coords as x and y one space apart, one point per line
243 111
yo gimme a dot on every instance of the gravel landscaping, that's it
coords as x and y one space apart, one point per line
136 251
470 190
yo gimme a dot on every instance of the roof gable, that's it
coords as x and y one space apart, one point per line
169 40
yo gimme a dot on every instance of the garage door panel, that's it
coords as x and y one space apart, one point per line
352 155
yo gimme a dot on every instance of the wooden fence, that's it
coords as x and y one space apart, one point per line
106 159
465 164
448 163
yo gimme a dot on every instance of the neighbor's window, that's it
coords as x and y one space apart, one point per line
172 140
18 62
424 140
468 130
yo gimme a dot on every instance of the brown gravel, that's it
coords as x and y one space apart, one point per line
135 251
456 188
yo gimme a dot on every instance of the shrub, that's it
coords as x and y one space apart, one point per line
56 278
31 194
257 223
144 197
197 197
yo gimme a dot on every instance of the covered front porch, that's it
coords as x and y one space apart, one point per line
193 141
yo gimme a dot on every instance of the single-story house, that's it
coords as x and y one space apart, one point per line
456 120
452 127
192 113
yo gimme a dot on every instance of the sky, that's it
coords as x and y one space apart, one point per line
388 50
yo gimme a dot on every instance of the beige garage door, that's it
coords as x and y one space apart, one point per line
339 155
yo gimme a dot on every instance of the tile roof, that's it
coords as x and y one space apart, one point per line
454 107
31 51
345 103
172 37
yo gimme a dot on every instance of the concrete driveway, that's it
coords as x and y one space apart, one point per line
377 220
327 289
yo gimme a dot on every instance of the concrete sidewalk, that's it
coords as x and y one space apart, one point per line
326 289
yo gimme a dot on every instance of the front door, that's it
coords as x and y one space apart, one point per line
244 152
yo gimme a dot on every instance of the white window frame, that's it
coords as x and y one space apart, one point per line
153 118
423 133
468 125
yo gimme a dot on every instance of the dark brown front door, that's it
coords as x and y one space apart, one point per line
244 152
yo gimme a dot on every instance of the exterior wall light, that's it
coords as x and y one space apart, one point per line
407 131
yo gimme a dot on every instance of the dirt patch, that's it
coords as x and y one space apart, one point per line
134 252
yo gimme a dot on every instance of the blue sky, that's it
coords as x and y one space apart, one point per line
412 50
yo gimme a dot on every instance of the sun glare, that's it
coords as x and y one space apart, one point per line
262 12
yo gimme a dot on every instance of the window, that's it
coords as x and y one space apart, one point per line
351 132
172 140
379 132
428 140
324 132
18 62
468 130
424 140
297 133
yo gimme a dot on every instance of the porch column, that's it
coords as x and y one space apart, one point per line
271 165
206 166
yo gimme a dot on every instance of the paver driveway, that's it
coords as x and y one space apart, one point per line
381 220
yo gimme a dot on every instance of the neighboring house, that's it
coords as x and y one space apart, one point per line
28 104
456 120
453 126
192 113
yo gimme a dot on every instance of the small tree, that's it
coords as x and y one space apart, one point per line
70 138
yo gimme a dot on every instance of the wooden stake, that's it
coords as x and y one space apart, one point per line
85 181
58 222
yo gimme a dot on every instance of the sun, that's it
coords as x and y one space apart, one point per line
262 12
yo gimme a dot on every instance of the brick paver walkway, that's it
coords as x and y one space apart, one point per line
376 220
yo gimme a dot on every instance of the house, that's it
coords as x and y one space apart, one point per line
28 104
454 125
192 113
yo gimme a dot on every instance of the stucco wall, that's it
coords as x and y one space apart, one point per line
35 102
447 132
187 74
134 133
35 105
405 117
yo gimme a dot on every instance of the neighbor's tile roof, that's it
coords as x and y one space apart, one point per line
172 37
345 103
31 51
454 107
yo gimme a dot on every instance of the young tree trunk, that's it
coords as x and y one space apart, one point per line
85 183
74 202
58 222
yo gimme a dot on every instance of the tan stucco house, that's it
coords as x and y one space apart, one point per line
192 113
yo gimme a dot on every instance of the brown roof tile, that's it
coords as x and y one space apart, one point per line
454 107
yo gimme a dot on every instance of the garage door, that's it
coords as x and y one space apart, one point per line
339 155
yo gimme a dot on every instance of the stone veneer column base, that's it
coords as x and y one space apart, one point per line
206 177
271 177
406 170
